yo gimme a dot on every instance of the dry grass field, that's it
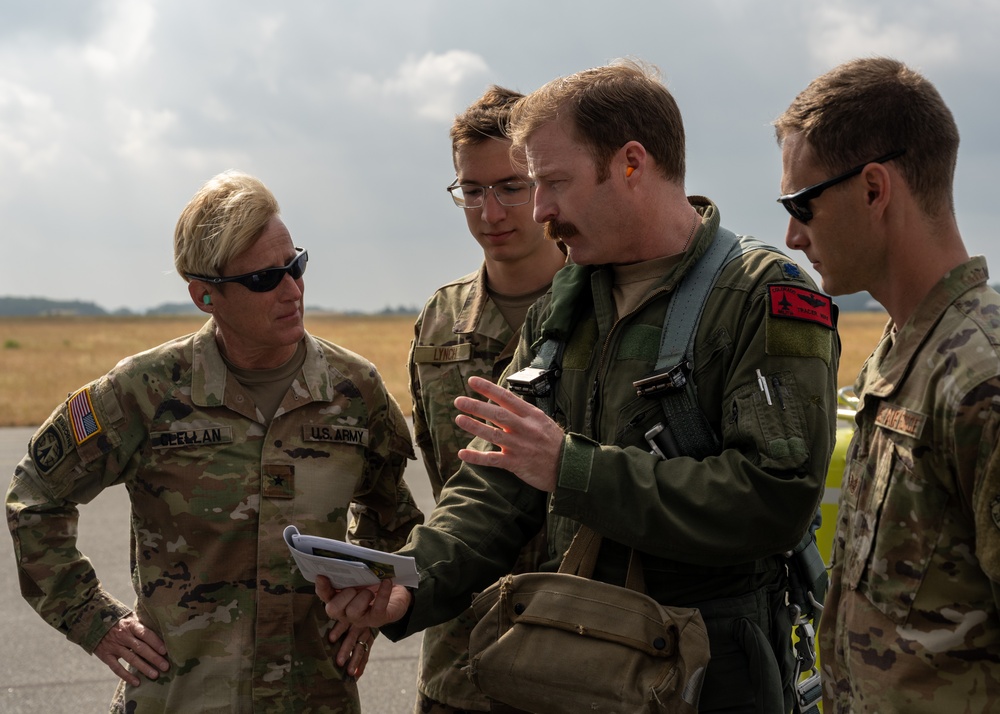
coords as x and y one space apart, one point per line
43 359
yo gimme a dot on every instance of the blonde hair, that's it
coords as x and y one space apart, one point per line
221 221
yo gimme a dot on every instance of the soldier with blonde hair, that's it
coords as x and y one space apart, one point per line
222 438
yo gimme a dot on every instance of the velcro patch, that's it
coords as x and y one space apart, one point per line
279 481
82 416
795 303
191 437
429 354
900 420
49 448
335 434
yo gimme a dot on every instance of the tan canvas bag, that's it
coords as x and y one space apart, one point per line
562 643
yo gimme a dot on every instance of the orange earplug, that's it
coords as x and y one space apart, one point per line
629 170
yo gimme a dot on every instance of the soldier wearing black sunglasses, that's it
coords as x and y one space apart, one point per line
912 618
223 438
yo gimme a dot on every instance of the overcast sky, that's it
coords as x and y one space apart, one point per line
113 113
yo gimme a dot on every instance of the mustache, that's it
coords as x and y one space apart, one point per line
558 230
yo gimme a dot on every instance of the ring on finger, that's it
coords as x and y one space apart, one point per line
363 644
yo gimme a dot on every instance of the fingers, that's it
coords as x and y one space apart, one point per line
324 590
350 605
115 666
501 395
355 649
129 641
477 428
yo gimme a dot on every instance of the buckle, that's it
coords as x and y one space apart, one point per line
663 380
532 381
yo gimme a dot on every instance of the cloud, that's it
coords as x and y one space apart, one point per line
123 41
431 84
847 30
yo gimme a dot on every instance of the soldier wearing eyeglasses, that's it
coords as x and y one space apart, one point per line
606 150
222 438
912 620
470 327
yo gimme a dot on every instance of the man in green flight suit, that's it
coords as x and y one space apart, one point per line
606 150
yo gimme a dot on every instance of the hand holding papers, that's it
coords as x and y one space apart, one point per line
348 565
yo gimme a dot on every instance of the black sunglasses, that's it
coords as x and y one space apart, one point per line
797 204
262 281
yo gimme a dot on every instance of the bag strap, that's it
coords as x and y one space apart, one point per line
581 559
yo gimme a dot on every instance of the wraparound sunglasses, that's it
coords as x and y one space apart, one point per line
262 281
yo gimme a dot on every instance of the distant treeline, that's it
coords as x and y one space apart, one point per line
41 307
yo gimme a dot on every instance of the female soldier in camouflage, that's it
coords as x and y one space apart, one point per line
223 438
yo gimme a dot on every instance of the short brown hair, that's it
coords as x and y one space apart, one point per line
484 119
221 221
868 107
609 107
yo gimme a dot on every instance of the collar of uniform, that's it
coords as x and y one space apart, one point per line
570 282
210 374
208 369
475 302
892 359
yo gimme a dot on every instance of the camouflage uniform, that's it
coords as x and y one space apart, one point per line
911 620
710 532
459 334
211 490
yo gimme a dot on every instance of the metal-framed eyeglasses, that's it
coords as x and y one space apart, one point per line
262 281
797 204
507 193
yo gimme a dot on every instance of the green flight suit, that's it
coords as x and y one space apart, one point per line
711 532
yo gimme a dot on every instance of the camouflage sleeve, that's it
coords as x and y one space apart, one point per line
384 511
421 429
76 453
977 448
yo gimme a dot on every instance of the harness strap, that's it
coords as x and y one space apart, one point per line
687 431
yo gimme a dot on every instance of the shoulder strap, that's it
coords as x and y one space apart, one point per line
686 431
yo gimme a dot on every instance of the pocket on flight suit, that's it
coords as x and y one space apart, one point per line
777 428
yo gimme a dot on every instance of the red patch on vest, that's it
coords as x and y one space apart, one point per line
800 304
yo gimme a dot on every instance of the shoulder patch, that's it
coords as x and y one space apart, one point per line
82 416
795 303
50 447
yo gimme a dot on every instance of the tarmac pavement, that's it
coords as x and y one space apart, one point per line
42 672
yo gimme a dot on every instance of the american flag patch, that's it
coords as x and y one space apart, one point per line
81 415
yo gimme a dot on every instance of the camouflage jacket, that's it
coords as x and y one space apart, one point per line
709 531
211 490
460 333
911 621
